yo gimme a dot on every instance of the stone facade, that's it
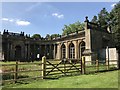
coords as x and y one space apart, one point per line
86 42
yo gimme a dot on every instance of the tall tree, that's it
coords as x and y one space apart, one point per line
95 19
115 26
103 18
72 28
48 36
54 36
36 36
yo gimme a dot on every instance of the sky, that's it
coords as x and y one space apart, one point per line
47 17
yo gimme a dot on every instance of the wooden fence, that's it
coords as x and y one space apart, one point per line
53 68
20 71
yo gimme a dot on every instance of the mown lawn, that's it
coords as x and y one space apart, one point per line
97 80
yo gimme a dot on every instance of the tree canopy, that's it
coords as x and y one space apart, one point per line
111 19
48 36
77 26
36 36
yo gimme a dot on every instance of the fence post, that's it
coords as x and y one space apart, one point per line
65 66
107 63
43 67
83 65
16 72
97 65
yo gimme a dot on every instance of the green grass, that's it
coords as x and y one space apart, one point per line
97 80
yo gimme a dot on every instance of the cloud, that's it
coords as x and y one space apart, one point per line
58 15
17 21
11 20
22 23
113 5
5 19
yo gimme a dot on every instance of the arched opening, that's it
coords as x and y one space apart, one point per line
63 51
81 48
71 51
18 52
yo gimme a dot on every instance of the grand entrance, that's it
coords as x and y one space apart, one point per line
63 51
71 51
18 54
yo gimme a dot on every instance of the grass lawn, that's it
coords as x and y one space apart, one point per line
97 80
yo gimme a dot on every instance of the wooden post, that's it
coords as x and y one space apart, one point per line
108 58
107 63
64 67
16 72
97 65
83 65
65 60
43 67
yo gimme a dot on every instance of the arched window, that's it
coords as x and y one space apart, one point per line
71 51
81 48
63 49
18 52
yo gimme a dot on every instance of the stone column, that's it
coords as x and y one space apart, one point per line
76 49
50 51
11 51
25 51
59 51
34 51
54 53
8 51
28 51
67 50
22 51
40 52
45 50
80 56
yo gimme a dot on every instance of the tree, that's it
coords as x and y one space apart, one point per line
54 36
36 36
115 26
111 19
48 36
77 26
95 20
103 18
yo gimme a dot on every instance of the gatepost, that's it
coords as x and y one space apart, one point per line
43 67
83 64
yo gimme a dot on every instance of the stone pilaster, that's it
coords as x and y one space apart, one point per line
59 51
28 51
54 53
45 51
50 51
40 51
76 49
67 49
8 51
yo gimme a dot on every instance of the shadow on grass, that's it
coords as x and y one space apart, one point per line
11 76
87 73
101 71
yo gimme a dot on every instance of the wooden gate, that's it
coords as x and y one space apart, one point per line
63 67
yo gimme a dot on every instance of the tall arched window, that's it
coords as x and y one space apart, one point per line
81 48
63 49
71 51
18 52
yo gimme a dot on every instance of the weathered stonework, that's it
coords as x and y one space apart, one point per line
87 42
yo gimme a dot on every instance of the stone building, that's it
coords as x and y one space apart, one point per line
89 42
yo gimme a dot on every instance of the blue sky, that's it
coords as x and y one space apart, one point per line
47 17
